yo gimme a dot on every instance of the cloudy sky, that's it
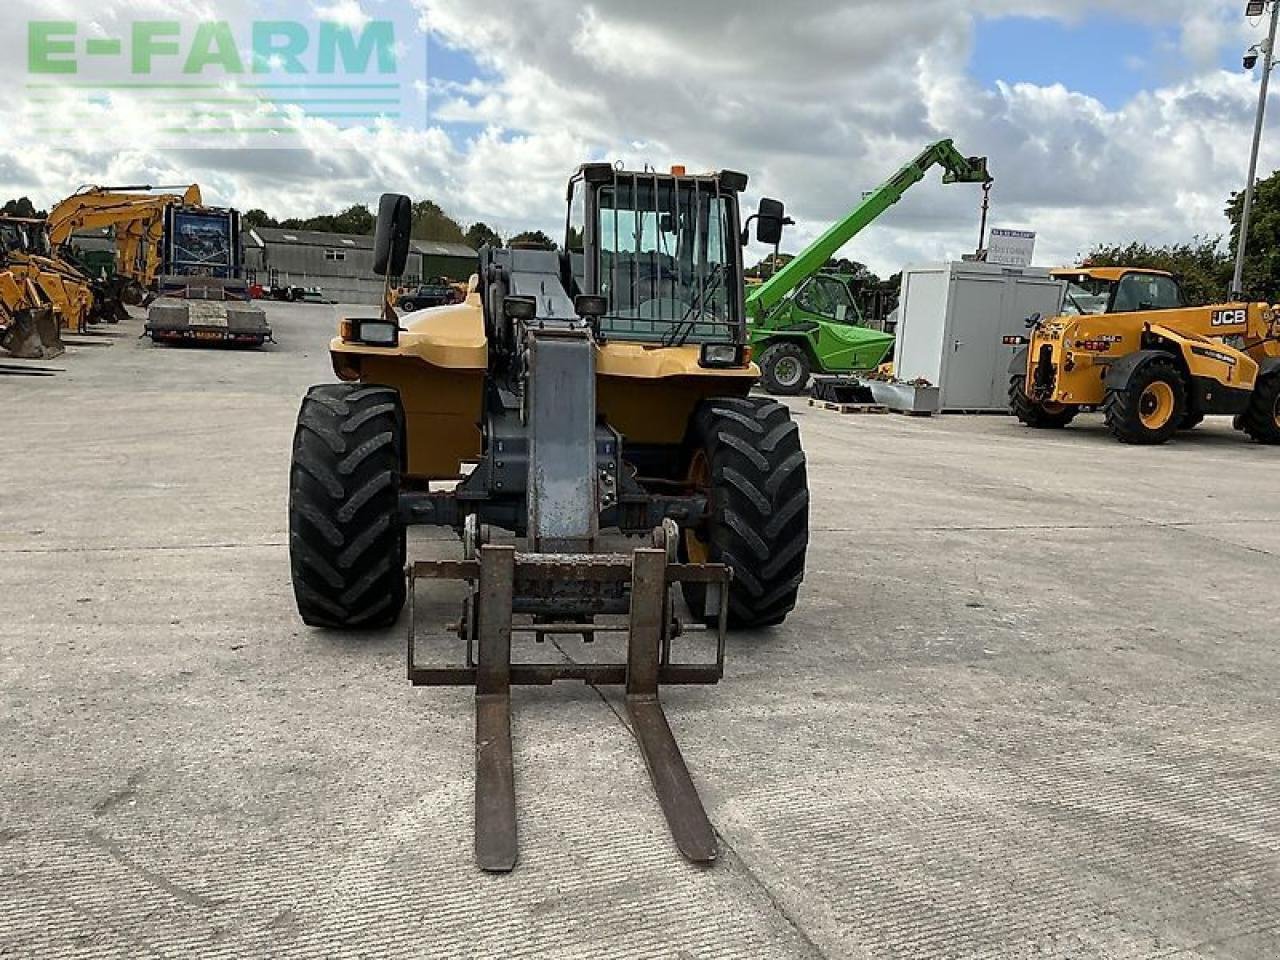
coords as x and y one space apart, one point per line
1105 120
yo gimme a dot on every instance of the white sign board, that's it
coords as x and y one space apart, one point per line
1011 248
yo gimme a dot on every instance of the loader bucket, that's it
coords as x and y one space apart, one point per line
33 335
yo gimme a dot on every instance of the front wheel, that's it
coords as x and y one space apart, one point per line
747 458
408 306
785 369
1151 407
346 539
1038 416
1262 420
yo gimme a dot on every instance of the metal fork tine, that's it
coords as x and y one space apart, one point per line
677 795
496 848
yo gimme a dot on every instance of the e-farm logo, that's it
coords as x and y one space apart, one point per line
205 82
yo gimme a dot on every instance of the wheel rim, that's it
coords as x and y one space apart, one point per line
787 371
1155 408
696 549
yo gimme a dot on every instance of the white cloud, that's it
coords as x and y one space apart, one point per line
818 101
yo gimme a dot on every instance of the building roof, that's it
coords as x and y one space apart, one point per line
314 238
433 248
340 241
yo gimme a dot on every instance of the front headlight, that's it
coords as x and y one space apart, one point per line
375 333
721 356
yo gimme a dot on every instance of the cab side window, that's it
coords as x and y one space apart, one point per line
1145 292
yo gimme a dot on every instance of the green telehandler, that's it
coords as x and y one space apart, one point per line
803 321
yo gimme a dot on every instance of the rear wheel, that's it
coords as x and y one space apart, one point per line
1151 407
748 459
408 306
1262 420
346 540
1039 416
785 369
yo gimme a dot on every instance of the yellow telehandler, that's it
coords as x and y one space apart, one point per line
1128 345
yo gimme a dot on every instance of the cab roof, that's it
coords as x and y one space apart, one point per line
1111 274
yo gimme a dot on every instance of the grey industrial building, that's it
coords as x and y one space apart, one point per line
342 266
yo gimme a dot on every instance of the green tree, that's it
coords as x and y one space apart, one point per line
23 207
259 218
1262 259
1202 267
430 222
533 239
481 235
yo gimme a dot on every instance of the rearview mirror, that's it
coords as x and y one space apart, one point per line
391 237
770 220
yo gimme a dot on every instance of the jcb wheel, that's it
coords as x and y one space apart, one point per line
346 539
1262 420
1151 407
747 458
785 369
1038 416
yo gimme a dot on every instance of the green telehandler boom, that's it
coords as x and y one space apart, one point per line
802 320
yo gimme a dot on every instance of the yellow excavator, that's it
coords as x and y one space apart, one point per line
1127 344
40 293
136 216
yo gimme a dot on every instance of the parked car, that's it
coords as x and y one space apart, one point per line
427 295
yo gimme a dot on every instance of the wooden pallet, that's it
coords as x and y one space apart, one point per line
849 408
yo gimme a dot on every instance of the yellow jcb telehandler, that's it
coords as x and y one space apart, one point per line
1127 344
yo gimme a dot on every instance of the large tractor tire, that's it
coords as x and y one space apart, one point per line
746 456
1262 420
346 539
1038 416
1151 407
785 369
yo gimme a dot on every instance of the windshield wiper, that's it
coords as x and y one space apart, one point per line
678 339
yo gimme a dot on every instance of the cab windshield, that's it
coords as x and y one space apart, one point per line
666 259
1087 296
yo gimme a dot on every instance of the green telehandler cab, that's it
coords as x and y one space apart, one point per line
803 321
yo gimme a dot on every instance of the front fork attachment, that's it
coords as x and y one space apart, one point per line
504 583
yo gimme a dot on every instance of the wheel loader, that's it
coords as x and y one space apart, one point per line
1129 346
583 423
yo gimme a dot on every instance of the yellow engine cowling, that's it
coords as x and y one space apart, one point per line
647 392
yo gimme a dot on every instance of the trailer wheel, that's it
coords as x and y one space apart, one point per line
1262 420
346 539
1038 416
746 456
1150 408
785 369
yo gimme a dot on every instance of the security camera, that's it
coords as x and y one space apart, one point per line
1251 59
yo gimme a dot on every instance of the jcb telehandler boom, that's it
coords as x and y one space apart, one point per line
798 326
1129 346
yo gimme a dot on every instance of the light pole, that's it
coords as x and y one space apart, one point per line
1266 53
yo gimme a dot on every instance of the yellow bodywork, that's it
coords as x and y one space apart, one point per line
1081 366
646 392
1083 348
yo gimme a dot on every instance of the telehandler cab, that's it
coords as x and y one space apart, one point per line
575 397
1128 345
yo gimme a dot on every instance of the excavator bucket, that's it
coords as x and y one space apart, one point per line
33 335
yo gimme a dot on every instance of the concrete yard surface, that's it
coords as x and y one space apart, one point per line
1028 706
